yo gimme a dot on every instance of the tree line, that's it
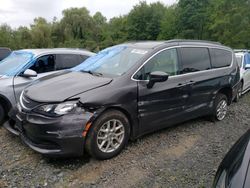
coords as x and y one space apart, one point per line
225 21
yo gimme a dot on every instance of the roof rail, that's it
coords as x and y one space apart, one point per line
5 48
190 40
241 50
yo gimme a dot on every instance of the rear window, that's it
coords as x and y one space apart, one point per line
195 59
220 58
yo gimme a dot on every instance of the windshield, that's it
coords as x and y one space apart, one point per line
11 65
114 61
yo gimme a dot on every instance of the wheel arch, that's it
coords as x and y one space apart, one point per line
123 111
228 91
126 113
5 103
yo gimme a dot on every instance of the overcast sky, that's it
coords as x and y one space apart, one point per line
22 12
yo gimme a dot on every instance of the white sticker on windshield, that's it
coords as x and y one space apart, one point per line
136 51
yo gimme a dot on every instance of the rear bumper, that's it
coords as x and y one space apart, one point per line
61 136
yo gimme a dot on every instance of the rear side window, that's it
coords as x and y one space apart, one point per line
195 59
66 61
220 58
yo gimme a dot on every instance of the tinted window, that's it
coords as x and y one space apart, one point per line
4 53
44 64
66 61
247 59
220 58
166 61
195 59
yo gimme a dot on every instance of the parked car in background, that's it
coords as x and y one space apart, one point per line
234 170
124 92
4 52
22 67
243 58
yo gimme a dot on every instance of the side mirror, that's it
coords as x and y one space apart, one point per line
29 73
157 76
247 66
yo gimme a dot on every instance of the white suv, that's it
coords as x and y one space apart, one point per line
243 59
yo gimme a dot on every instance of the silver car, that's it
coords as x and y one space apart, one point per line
22 67
243 59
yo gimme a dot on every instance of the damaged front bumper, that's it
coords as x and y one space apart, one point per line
52 136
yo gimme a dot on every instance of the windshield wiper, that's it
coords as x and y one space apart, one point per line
92 73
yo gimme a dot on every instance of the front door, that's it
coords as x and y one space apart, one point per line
164 103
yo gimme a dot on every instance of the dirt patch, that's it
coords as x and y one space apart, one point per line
185 144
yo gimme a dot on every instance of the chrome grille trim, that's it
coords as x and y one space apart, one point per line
26 103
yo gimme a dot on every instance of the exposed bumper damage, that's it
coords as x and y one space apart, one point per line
52 136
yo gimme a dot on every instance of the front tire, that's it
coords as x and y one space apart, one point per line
2 115
220 107
108 135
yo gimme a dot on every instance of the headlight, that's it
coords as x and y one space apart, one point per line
57 109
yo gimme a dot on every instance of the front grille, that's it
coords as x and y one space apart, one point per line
27 103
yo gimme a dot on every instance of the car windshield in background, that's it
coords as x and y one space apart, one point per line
239 60
11 65
114 61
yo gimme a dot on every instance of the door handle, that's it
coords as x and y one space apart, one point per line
181 84
192 82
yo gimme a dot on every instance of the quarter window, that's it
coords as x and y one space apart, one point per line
66 61
195 59
220 58
166 61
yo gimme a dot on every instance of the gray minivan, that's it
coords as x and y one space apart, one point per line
124 92
22 67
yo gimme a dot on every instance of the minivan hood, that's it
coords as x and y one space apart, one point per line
59 87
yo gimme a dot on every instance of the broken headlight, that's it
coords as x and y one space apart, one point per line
57 109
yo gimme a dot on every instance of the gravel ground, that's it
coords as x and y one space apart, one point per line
182 156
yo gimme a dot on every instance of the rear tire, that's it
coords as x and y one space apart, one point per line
108 135
2 115
220 107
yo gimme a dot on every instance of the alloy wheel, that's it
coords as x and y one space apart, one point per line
110 136
221 110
